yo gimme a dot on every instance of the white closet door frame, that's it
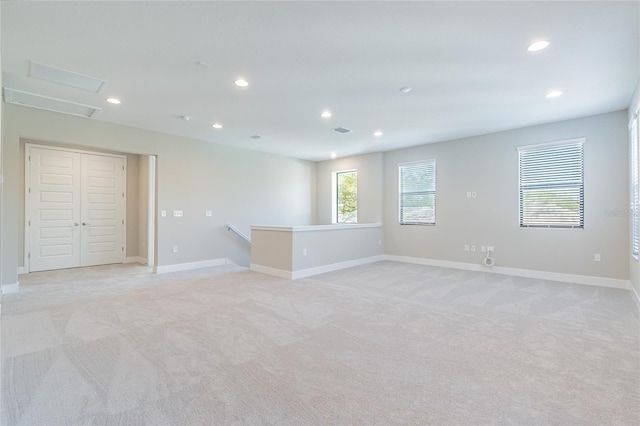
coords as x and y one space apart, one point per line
27 185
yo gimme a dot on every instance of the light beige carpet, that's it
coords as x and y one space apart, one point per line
386 343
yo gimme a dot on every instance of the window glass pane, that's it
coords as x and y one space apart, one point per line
347 197
552 186
418 208
418 193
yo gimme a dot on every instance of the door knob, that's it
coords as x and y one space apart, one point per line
85 224
75 224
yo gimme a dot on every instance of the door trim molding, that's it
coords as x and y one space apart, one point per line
27 185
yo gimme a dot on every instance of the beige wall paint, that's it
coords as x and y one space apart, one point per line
240 186
370 179
272 249
294 249
634 264
133 196
143 207
489 165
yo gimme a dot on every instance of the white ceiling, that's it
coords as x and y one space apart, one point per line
467 63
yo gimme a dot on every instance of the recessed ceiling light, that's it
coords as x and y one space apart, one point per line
325 114
405 89
333 155
114 101
537 45
217 126
377 133
554 94
241 83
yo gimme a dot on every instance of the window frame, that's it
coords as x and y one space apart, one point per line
550 226
334 196
401 193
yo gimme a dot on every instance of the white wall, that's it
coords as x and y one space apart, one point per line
634 265
489 165
370 178
335 246
242 187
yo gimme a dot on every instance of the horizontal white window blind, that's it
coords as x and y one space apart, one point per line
552 185
635 189
418 193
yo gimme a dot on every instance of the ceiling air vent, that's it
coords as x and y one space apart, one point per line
342 130
18 97
66 78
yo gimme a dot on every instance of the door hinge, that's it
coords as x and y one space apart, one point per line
123 221
29 256
29 190
29 223
29 158
122 167
123 194
122 248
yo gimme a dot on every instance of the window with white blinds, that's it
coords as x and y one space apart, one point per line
418 193
552 185
635 190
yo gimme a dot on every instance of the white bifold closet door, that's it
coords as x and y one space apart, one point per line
76 206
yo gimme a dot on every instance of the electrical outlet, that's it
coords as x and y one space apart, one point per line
468 194
473 248
177 213
596 257
483 249
473 194
379 242
163 213
175 249
491 249
208 213
304 251
466 247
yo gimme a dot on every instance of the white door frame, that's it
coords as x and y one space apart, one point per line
27 195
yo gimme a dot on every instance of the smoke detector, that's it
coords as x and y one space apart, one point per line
342 130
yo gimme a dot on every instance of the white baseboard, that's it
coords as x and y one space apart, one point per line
11 288
335 266
135 259
188 266
22 270
635 297
280 273
303 273
528 273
